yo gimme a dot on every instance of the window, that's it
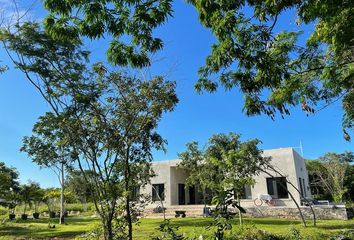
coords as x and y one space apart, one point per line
277 187
247 193
160 190
304 186
301 188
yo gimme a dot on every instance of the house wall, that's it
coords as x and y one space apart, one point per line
289 164
302 173
285 160
163 176
178 176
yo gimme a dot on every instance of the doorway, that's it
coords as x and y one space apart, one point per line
181 194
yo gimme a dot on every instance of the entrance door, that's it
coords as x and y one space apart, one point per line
181 195
192 195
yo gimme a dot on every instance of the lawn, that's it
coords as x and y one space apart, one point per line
77 226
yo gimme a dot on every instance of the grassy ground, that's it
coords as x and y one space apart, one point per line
76 226
30 228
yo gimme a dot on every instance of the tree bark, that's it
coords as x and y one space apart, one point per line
129 219
127 204
107 226
239 211
62 208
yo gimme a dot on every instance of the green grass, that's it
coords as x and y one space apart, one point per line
39 228
76 226
197 226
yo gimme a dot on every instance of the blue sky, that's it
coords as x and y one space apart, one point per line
195 118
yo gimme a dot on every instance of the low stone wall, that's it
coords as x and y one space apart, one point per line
323 212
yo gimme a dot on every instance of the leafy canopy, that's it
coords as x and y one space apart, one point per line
271 67
266 61
8 181
133 20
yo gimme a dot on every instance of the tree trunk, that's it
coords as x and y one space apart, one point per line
129 219
62 208
127 204
107 227
204 200
239 211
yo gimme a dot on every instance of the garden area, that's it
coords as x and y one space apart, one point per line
89 98
87 227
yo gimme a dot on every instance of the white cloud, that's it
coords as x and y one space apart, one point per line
11 11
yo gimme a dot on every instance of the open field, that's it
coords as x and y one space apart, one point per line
76 226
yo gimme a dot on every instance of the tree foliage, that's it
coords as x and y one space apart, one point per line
106 120
253 51
270 65
9 186
330 174
76 183
226 164
121 20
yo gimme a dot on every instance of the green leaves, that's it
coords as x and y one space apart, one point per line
135 20
270 67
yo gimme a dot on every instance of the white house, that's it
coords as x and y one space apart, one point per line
170 182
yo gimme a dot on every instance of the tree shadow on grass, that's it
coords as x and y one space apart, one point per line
273 222
36 233
337 226
37 228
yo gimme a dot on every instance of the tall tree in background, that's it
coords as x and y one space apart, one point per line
331 170
75 182
9 184
349 183
47 148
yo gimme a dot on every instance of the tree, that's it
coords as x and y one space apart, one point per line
9 187
108 119
76 183
37 196
198 170
252 50
120 19
318 190
47 148
252 53
331 170
349 183
231 164
26 196
8 180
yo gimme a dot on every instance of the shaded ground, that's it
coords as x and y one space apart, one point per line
76 226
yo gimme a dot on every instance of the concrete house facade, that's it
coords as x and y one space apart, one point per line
170 181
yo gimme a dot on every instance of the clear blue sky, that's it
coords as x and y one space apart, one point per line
196 117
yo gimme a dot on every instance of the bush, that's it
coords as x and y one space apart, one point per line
3 211
250 232
257 234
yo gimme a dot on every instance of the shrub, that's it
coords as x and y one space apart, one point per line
252 233
294 234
